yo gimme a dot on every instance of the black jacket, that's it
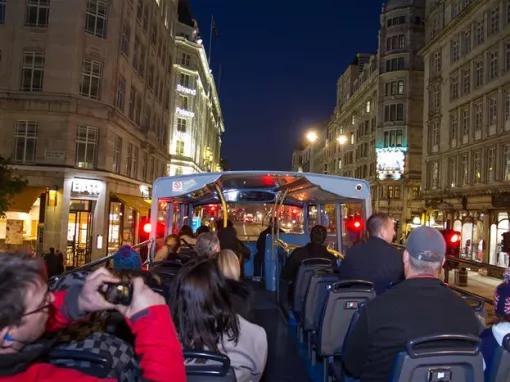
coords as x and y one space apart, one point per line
415 308
374 260
241 298
228 240
310 250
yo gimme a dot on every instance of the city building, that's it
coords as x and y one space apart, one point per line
86 102
375 131
466 139
198 121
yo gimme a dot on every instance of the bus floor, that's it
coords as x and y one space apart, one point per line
287 359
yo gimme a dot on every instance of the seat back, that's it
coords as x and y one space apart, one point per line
305 272
445 358
343 300
499 369
316 298
203 366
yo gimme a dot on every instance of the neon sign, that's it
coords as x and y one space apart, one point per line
390 162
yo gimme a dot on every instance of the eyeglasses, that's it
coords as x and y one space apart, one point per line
44 305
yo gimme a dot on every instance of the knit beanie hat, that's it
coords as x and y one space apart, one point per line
502 296
127 259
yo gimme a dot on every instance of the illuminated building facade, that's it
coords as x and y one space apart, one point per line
86 99
197 126
467 123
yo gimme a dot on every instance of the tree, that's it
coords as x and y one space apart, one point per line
10 184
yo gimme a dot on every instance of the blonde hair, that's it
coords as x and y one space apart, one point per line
229 265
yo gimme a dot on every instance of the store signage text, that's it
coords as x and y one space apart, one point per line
186 90
86 187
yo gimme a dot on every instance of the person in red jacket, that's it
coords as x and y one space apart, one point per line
28 311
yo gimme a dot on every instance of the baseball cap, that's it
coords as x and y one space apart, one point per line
426 244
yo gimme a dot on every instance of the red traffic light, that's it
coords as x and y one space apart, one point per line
454 238
354 223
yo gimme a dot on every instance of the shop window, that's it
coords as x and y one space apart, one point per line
91 75
86 146
26 141
32 72
96 18
37 13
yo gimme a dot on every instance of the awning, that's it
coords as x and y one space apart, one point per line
23 201
136 202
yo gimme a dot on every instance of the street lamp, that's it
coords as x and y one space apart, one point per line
341 139
312 137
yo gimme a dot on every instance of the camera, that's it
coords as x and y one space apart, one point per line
118 293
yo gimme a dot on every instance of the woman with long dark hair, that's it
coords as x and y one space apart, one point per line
205 320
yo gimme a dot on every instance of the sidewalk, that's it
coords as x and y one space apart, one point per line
481 285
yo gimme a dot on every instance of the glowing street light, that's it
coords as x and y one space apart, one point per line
341 139
312 136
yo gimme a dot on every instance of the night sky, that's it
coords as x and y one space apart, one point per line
280 60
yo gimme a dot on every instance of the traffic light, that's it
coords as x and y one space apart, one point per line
453 239
354 224
505 244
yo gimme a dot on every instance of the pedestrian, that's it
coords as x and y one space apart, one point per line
54 265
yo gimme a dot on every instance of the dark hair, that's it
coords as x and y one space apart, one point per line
201 306
207 244
186 230
376 222
175 248
318 234
17 272
220 223
202 229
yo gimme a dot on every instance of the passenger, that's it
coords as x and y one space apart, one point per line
127 259
203 229
261 246
205 320
375 260
229 240
315 248
419 306
169 250
240 292
54 263
207 244
186 236
28 310
493 337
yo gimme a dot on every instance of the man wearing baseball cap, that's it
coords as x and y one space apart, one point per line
421 305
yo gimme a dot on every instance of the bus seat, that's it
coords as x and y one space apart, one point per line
203 366
249 263
304 274
446 358
342 302
499 370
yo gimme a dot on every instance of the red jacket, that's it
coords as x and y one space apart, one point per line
156 344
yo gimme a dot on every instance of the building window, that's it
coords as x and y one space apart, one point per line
464 169
465 42
465 124
136 154
2 11
38 12
179 147
394 88
394 112
96 18
185 59
132 103
396 21
129 160
183 102
477 167
396 42
26 141
435 99
184 80
392 138
117 154
181 125
145 163
86 143
91 74
479 31
452 172
32 72
492 110
121 93
434 136
507 56
491 164
466 80
492 64
434 175
394 64
436 62
506 162
454 50
454 128
477 119
454 85
506 111
493 21
125 38
478 72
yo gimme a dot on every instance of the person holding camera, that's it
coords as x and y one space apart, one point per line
28 311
